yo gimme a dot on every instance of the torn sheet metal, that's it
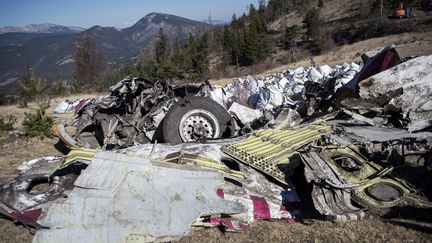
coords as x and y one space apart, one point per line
373 63
287 118
414 77
120 196
359 117
202 162
243 184
262 200
362 104
335 204
283 201
253 183
338 170
388 145
274 151
70 106
244 114
332 201
28 195
381 134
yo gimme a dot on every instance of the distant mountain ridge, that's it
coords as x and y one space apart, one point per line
145 30
41 28
52 54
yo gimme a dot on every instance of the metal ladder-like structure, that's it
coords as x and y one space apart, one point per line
274 151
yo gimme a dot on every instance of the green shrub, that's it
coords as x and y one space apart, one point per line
7 124
6 99
22 102
37 125
33 87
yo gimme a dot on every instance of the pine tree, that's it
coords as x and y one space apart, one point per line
200 60
252 45
166 70
237 47
177 57
311 23
290 36
161 48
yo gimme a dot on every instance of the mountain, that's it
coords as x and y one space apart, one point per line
146 30
116 47
52 54
41 28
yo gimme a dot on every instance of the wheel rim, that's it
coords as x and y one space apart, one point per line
197 125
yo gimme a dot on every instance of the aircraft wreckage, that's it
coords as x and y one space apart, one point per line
151 160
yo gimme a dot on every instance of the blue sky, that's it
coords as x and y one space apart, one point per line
112 12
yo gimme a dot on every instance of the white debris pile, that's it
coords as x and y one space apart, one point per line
285 88
278 90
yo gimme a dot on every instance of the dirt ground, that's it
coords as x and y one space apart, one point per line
404 224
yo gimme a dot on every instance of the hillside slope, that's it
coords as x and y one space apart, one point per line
52 55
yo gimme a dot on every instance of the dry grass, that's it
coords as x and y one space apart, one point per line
293 18
371 230
19 112
13 152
